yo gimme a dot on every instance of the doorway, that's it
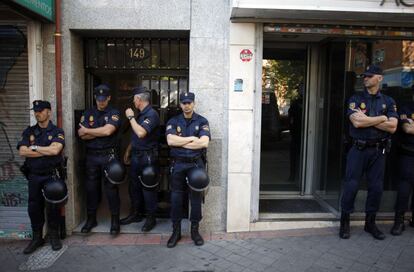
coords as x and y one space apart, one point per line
283 101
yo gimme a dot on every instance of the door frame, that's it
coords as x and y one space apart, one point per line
309 165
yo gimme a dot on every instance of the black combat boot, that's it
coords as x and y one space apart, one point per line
195 235
133 216
344 229
54 239
115 228
175 236
149 224
371 227
398 227
36 242
90 223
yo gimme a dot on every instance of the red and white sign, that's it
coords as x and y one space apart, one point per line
246 55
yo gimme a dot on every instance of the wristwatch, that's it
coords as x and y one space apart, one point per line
34 147
130 117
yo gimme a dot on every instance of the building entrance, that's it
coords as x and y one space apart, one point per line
159 64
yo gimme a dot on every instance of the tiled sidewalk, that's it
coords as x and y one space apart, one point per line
289 250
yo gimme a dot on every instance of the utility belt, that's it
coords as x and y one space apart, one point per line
147 152
53 171
101 152
384 144
186 159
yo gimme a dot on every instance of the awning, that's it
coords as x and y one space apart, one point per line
351 12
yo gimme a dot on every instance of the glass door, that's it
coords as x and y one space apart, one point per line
283 104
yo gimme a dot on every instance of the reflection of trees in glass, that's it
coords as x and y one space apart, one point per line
408 54
284 77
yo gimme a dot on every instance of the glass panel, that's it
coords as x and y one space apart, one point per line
164 92
120 56
129 47
101 53
155 53
396 58
183 85
111 53
282 120
183 54
175 55
173 92
92 57
147 46
333 158
165 54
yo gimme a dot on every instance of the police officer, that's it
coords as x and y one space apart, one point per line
98 127
144 156
188 135
373 118
41 146
406 167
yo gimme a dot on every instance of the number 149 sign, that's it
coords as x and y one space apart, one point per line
138 53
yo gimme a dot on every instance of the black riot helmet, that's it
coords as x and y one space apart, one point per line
115 172
149 177
55 191
197 179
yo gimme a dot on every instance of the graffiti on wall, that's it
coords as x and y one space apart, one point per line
405 3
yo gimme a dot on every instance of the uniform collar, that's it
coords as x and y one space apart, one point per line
146 109
368 95
107 109
194 117
48 128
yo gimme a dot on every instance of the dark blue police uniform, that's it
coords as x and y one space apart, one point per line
183 160
406 165
99 151
144 152
41 170
368 151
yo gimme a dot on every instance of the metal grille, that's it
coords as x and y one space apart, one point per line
145 53
14 118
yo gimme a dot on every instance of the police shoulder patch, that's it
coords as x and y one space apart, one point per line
61 136
403 116
205 127
352 105
115 117
147 121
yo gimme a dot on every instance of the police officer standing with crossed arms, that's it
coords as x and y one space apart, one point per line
188 135
373 118
98 128
406 169
144 156
41 146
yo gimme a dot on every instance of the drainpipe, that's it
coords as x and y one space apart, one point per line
58 71
58 63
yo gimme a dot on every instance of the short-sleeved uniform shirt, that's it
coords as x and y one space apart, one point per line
406 115
35 135
94 118
150 121
196 126
371 105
